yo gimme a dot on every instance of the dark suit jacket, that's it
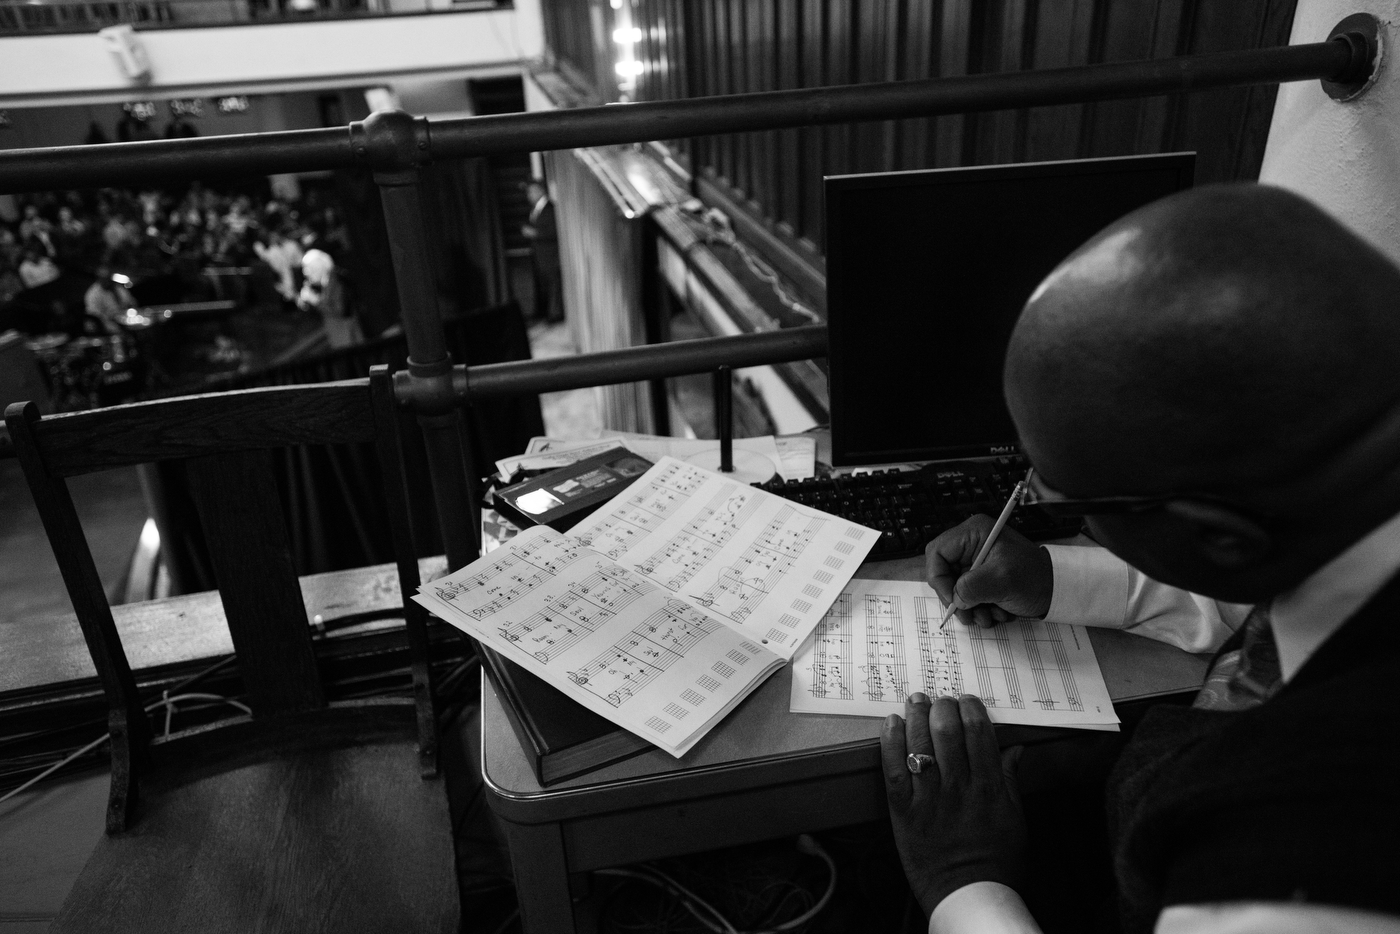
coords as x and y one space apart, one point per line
1297 799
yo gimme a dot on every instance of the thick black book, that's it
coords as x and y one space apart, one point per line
564 738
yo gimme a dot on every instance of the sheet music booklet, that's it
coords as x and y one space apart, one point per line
668 606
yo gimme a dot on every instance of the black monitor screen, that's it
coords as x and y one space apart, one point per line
926 274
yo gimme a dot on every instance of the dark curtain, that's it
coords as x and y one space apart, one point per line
462 222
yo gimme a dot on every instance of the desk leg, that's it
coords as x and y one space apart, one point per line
541 878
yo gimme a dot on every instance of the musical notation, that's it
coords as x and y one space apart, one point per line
626 667
508 577
886 674
744 555
681 557
582 607
939 659
831 663
605 635
645 505
1027 672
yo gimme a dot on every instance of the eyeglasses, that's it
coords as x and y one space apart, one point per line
1057 504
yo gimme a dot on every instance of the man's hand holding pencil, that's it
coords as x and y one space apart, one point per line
1014 579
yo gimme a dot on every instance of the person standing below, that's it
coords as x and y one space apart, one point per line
284 256
543 233
324 291
1211 382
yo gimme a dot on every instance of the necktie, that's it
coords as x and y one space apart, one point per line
1246 676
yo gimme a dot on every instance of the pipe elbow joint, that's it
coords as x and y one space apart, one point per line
391 141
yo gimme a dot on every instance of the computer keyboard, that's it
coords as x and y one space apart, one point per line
910 508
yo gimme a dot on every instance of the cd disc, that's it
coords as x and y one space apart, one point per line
748 466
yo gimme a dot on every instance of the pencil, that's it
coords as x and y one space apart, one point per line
986 548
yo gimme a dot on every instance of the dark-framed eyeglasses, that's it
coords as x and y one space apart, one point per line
1039 493
1057 504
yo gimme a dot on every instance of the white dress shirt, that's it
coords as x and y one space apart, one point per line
1095 588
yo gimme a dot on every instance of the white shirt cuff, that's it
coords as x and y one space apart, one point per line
1091 587
982 908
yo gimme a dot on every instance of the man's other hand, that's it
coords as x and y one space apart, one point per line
957 821
1016 580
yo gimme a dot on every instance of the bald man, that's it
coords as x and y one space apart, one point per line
1213 382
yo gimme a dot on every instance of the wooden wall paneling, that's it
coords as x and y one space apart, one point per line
1003 48
701 65
601 25
726 165
894 41
921 28
648 85
739 15
679 37
788 161
236 495
983 27
1098 31
869 66
1170 34
949 131
839 36
1125 37
1228 127
1025 61
1063 30
762 48
1275 28
813 139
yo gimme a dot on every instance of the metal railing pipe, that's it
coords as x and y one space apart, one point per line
1347 57
629 365
633 364
772 110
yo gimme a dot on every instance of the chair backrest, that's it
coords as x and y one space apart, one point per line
224 441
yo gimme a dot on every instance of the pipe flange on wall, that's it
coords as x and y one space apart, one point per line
1362 31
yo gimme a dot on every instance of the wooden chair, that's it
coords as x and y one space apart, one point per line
306 815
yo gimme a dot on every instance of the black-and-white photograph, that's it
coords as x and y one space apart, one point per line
699 466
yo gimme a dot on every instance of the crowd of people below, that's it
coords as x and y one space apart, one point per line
166 246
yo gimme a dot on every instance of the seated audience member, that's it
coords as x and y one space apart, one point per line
1211 382
106 298
37 268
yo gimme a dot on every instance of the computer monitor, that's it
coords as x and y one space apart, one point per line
927 272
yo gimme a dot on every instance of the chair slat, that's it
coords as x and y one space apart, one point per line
391 463
248 419
127 719
236 495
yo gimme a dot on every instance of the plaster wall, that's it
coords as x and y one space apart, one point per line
1343 156
189 62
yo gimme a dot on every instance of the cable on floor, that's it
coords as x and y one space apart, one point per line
710 916
166 702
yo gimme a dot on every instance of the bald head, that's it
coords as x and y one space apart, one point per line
1231 335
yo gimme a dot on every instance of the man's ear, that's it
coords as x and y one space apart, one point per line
1230 540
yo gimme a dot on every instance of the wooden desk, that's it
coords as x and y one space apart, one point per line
762 773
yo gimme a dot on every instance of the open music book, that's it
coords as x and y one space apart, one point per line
668 606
